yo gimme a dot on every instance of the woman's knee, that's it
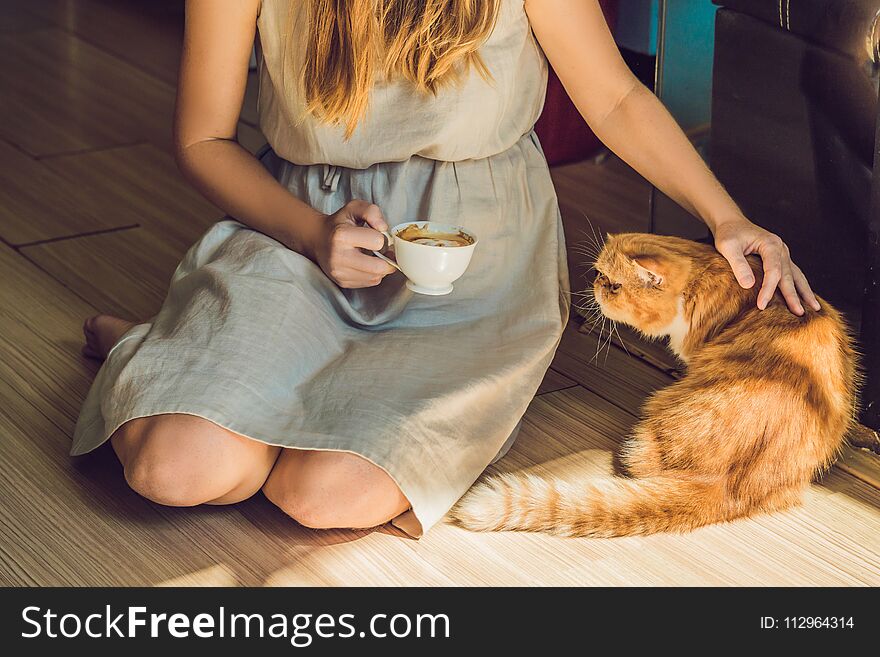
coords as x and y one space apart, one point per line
187 461
333 490
164 481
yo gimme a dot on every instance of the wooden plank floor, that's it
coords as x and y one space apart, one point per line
94 217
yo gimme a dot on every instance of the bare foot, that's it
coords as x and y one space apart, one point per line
101 333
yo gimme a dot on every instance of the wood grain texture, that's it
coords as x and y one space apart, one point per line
38 204
144 182
40 340
554 381
61 527
124 273
861 463
605 369
127 272
609 194
146 33
654 352
65 95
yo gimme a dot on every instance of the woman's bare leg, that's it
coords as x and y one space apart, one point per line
328 490
184 460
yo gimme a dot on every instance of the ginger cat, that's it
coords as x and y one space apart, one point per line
764 407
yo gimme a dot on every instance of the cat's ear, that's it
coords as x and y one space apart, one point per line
649 271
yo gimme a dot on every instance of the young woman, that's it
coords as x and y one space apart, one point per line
287 359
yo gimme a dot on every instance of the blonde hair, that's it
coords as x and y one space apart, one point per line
428 42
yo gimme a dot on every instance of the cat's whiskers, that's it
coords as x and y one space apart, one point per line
590 238
592 319
599 341
587 250
595 322
595 239
589 314
607 344
599 244
588 309
620 337
586 302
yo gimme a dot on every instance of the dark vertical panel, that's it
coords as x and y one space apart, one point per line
871 309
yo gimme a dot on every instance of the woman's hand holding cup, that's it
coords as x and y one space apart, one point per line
339 243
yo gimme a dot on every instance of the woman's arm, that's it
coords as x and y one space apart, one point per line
213 76
633 123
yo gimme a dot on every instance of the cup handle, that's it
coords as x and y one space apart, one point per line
388 260
389 241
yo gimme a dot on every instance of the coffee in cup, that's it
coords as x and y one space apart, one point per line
431 255
427 235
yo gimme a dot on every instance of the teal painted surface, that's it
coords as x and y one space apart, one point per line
687 64
689 51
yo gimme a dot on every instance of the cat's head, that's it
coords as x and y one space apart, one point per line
641 278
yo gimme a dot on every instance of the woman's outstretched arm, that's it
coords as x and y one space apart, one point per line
213 76
634 124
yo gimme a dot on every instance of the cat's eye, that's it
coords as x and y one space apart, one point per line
607 285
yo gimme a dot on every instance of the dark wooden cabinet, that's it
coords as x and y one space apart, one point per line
794 117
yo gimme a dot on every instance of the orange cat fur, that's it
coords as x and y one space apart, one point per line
764 407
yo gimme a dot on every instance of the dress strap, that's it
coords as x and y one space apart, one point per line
331 177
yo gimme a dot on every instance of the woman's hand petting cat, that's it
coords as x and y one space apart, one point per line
338 246
737 238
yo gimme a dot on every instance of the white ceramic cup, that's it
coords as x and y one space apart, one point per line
429 269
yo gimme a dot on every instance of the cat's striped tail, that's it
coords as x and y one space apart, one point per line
604 507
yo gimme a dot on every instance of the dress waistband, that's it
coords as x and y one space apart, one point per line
331 173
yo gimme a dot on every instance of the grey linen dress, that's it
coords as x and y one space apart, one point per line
255 338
